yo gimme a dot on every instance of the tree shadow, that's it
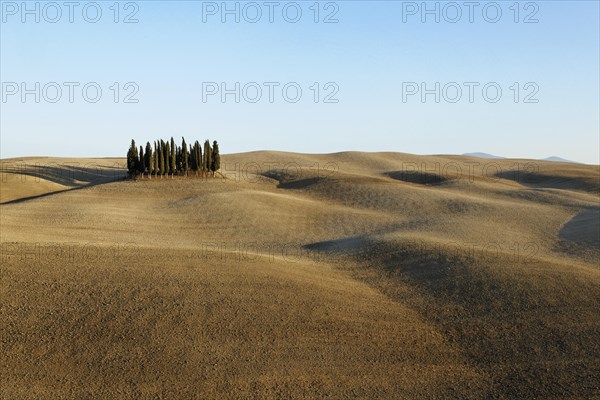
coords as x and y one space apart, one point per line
71 176
64 174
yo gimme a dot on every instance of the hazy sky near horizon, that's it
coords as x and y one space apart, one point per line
517 79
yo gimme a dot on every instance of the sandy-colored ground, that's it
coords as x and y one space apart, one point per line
369 275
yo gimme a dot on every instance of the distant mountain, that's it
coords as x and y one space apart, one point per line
558 159
482 155
486 155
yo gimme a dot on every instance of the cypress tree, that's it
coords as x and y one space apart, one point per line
162 153
216 158
136 160
193 163
142 164
167 158
167 154
155 159
194 159
161 158
132 159
199 155
184 155
173 166
207 157
149 159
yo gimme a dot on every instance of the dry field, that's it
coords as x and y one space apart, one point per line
347 275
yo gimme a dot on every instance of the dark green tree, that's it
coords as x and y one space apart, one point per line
167 158
216 158
207 157
161 157
142 164
132 159
173 161
149 159
156 164
195 165
184 157
198 150
193 162
161 148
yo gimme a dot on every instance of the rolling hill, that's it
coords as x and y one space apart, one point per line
370 275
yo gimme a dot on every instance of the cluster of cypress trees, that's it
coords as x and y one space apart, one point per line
166 158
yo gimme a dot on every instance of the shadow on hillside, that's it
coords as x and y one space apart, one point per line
544 181
66 174
583 229
300 184
350 244
71 176
39 196
422 178
296 180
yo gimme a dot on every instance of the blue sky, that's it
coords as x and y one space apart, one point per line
368 61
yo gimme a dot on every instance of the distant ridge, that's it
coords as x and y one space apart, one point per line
559 159
482 155
486 155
